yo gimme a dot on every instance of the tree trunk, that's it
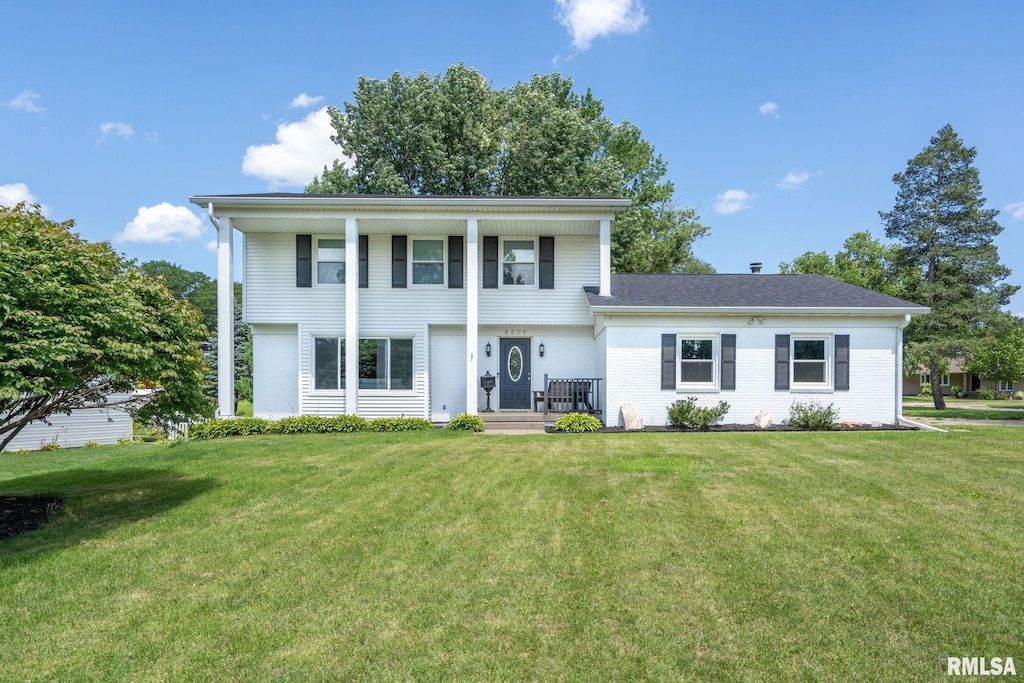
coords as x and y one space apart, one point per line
937 399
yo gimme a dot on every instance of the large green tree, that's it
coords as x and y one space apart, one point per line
863 261
453 134
946 233
79 324
999 356
191 285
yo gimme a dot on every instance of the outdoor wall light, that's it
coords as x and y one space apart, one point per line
487 349
540 349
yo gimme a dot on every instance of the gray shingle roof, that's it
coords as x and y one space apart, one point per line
671 290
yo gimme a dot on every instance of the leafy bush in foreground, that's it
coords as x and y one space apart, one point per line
467 423
399 424
577 422
316 424
986 394
813 415
686 413
216 429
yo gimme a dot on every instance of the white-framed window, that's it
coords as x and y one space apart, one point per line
384 363
519 263
428 261
926 378
811 361
698 356
330 261
1005 386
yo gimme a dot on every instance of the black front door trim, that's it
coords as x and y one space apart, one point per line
513 395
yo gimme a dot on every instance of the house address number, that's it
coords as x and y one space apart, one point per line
515 330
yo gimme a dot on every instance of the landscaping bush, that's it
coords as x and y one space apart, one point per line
315 424
812 415
955 390
1019 396
577 423
986 394
926 389
51 446
399 424
686 413
467 423
216 429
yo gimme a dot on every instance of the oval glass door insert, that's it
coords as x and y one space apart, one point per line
515 364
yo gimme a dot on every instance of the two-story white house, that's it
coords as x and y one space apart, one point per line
417 297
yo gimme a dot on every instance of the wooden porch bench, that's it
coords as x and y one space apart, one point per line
563 393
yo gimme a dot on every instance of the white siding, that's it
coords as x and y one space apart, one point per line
100 425
634 367
447 373
275 350
576 265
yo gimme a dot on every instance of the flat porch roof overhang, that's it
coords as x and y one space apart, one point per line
412 214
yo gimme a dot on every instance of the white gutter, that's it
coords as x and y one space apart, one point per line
228 201
209 214
756 310
899 367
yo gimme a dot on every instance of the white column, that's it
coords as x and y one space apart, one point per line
472 316
606 258
351 316
225 319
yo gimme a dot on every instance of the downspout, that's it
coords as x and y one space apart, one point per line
899 367
209 214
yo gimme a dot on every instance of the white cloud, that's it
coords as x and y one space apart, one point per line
212 245
162 223
15 193
794 180
26 101
304 101
732 201
115 129
302 150
769 108
589 19
1016 210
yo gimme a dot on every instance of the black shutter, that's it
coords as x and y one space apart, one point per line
455 261
399 250
547 262
781 361
842 369
728 361
303 260
668 361
490 262
364 261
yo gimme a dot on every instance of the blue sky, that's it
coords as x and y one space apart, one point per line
782 123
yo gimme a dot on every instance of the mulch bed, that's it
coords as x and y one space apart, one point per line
19 514
752 428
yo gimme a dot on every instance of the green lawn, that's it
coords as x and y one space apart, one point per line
436 556
965 413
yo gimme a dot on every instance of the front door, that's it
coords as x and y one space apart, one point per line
514 373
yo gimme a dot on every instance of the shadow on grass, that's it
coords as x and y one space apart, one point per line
96 500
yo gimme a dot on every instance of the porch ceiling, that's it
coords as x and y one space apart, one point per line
421 225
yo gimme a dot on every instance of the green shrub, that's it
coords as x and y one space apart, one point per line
812 415
926 389
986 394
399 424
315 424
577 423
90 444
216 429
686 413
1019 396
955 390
244 409
51 446
466 423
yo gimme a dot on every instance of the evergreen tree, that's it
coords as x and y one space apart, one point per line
947 234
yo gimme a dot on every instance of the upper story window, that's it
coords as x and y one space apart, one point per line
697 361
428 262
519 262
811 361
330 261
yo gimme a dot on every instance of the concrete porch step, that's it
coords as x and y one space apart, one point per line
514 422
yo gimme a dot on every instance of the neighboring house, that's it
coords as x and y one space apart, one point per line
101 424
420 296
955 376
